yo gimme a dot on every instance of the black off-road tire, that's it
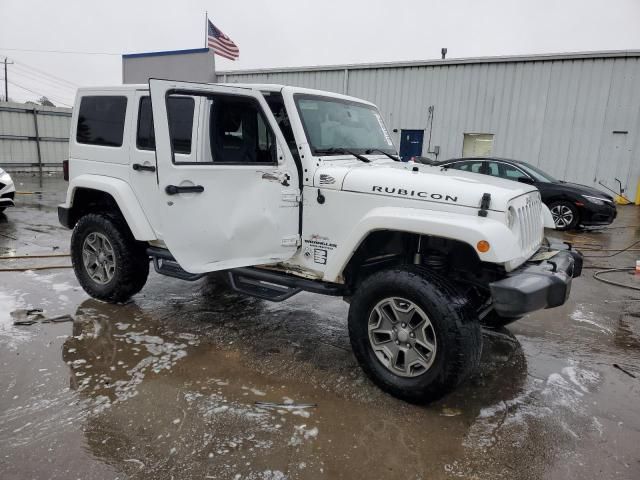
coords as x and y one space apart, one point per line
457 332
568 205
495 321
132 262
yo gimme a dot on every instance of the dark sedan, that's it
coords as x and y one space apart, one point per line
571 204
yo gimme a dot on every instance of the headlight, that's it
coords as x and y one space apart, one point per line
595 200
511 217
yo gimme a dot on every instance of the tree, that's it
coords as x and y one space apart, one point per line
45 102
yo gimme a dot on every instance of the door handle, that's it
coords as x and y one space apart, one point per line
147 168
174 189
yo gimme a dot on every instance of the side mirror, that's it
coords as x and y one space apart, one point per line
526 180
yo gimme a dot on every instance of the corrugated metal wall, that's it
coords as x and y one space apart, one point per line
565 115
18 140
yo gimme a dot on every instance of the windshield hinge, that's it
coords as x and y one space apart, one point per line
291 197
291 241
485 203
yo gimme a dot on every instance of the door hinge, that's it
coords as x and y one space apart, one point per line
291 197
291 241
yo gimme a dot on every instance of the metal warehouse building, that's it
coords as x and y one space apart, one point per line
576 116
33 136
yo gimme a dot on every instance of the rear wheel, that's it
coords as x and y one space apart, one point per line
413 334
108 261
565 215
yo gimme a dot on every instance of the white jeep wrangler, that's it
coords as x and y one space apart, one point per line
285 189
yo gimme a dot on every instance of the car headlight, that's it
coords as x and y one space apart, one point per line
511 217
595 200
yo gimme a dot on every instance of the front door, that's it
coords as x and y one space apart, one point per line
234 202
411 144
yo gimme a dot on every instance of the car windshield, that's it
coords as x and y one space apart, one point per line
536 173
333 125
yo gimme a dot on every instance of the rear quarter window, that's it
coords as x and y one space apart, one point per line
180 112
101 120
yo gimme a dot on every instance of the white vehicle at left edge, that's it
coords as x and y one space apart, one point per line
7 190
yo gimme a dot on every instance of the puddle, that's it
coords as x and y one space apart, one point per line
590 319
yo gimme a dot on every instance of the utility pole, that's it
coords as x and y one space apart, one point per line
6 86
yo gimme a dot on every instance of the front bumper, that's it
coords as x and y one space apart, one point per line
537 285
7 194
595 215
6 199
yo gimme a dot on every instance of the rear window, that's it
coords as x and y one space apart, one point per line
101 120
180 112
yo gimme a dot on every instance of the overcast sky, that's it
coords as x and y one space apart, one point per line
275 33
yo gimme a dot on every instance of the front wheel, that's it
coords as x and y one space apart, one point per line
565 215
413 333
109 263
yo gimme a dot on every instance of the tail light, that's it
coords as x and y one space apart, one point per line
65 169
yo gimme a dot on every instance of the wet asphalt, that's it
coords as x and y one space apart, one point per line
166 385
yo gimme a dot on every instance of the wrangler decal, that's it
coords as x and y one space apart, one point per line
403 192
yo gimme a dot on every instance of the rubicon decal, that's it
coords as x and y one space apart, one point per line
403 192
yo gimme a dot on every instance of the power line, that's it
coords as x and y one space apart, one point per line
45 89
46 73
70 52
38 93
37 77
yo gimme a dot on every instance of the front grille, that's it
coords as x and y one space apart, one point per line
529 218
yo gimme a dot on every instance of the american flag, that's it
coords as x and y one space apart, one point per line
220 43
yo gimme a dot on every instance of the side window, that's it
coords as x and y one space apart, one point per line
180 111
493 169
101 120
512 173
145 138
474 167
239 132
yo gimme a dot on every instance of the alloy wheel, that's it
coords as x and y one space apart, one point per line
402 337
98 258
562 215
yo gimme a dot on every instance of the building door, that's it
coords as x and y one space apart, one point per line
411 144
621 163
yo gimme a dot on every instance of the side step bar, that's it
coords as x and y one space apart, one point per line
165 264
277 286
256 282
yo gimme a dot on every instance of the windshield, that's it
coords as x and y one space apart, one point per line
536 173
332 123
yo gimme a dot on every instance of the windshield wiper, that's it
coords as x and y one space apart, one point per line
392 157
343 150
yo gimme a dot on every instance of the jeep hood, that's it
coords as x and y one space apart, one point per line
424 183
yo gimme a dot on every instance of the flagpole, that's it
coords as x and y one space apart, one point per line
206 28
